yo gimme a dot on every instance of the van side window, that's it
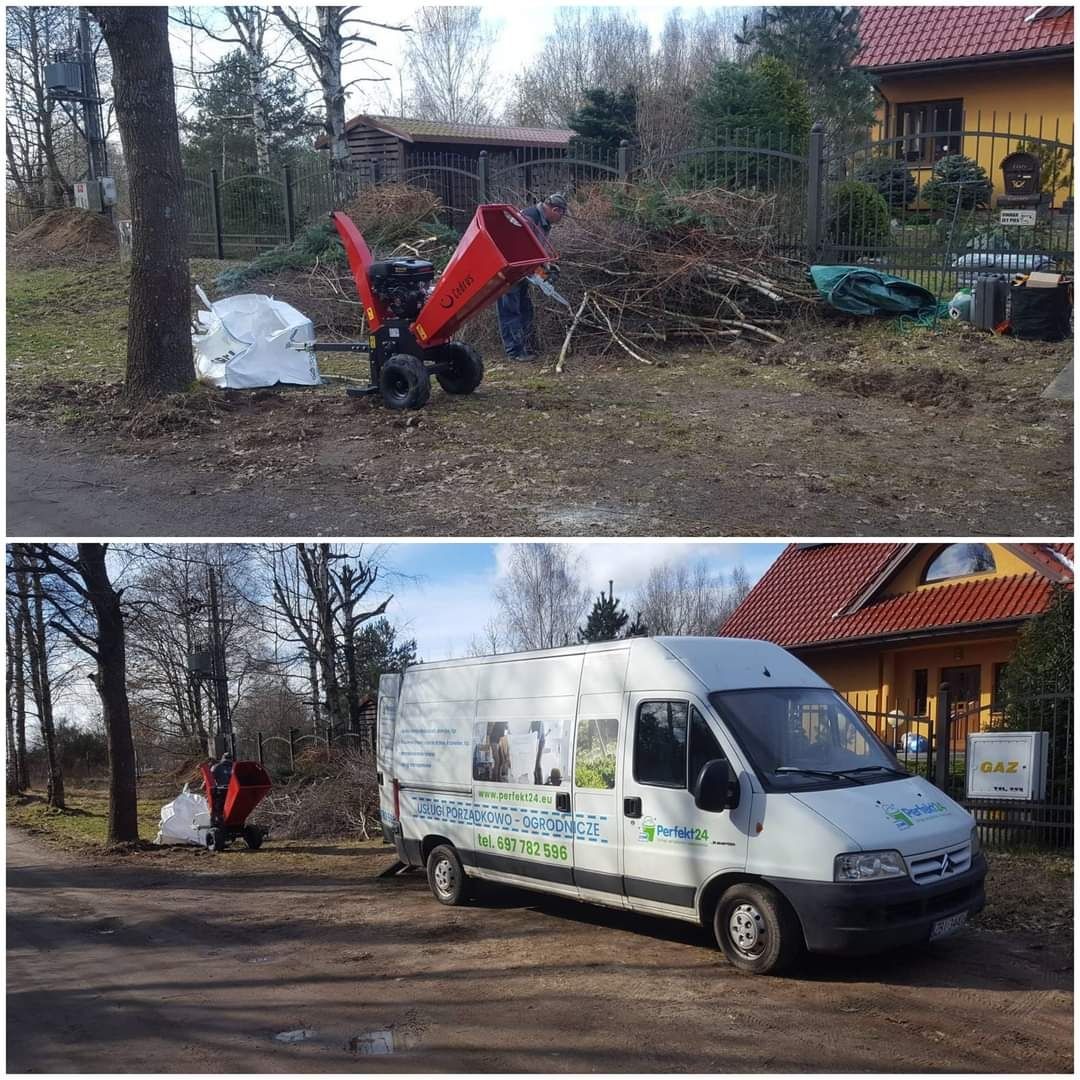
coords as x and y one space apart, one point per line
594 759
660 743
703 747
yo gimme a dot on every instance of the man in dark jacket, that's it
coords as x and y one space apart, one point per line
515 308
221 774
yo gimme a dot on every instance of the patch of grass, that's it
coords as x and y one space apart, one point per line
83 822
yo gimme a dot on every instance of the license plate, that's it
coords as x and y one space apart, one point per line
945 927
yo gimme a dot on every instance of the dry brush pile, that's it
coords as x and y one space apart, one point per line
644 266
331 793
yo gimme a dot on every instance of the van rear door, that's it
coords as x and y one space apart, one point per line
385 721
670 847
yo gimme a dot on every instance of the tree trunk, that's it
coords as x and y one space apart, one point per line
17 668
12 751
111 683
39 679
159 359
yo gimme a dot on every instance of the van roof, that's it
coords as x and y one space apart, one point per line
715 663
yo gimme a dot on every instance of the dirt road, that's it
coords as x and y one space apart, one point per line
708 444
186 962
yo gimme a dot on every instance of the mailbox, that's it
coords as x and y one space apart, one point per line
1021 172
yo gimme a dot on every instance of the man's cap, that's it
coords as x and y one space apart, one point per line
557 199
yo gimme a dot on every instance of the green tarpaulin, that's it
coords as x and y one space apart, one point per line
858 290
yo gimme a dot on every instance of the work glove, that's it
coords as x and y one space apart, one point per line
551 272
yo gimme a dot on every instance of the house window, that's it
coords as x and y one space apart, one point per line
919 706
959 560
930 130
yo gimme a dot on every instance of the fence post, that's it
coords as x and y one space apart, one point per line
624 160
942 756
215 213
290 216
814 177
258 747
482 176
329 737
292 749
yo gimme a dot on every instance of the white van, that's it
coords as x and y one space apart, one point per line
716 780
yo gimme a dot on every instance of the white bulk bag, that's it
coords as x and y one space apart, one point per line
180 818
251 340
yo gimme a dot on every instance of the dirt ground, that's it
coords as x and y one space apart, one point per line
848 431
178 960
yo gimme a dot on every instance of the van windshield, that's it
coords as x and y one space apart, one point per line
799 739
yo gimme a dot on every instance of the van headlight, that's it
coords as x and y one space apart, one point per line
869 866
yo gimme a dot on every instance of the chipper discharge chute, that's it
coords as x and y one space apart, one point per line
411 317
230 808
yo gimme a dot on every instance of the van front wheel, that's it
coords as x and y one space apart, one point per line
446 876
756 929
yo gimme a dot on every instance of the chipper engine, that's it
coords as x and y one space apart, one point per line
412 318
232 803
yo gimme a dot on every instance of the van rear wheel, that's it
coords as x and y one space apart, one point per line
757 930
446 876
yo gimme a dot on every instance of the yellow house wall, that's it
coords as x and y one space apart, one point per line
908 577
881 679
1038 89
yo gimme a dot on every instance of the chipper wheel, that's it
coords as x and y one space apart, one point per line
404 382
253 837
467 369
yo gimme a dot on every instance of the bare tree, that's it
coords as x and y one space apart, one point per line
326 44
247 29
542 599
17 779
688 50
35 122
159 309
26 567
449 63
588 48
87 610
681 598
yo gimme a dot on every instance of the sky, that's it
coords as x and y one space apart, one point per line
521 31
443 591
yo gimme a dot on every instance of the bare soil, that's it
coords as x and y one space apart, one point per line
68 232
181 961
848 430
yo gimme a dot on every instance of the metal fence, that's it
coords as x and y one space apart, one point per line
279 753
916 739
938 230
945 223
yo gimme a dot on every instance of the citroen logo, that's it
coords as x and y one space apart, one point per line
946 864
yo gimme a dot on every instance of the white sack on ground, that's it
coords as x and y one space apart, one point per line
243 342
180 817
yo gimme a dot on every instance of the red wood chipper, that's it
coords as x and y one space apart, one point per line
248 786
411 317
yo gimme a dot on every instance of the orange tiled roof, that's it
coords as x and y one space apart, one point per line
901 36
801 598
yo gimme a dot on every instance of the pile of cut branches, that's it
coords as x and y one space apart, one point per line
331 793
643 265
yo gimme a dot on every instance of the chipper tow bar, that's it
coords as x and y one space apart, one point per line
411 317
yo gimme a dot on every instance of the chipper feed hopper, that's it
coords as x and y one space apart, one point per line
229 811
412 318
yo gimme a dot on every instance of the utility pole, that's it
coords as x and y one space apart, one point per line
218 672
72 77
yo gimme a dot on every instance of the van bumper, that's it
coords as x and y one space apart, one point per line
869 917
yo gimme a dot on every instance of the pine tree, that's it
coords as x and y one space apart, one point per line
605 119
818 45
606 620
221 133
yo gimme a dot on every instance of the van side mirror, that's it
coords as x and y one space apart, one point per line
717 786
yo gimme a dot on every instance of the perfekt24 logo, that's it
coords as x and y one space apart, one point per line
906 817
652 831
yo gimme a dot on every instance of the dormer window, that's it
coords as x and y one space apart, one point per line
959 560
